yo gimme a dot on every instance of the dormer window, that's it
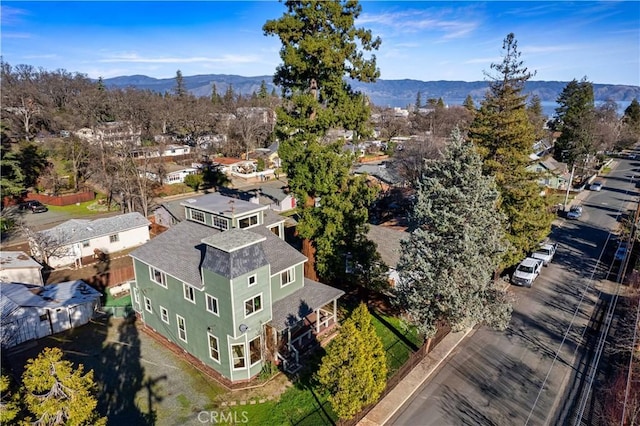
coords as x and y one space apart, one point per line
197 216
220 223
248 222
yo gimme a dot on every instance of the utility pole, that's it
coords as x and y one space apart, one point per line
566 197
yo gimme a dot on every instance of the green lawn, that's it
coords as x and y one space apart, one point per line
119 301
306 404
83 209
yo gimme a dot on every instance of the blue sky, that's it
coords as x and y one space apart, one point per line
454 40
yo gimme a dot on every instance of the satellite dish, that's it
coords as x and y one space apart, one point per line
243 328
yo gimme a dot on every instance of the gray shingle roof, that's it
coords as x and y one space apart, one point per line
180 252
291 309
388 241
235 263
17 260
76 230
221 205
233 239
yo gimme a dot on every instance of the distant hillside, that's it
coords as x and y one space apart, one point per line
392 93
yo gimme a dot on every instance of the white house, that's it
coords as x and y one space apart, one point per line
19 267
67 243
29 312
173 173
278 198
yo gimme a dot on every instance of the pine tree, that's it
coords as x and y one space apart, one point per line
354 369
418 104
215 96
320 48
9 408
180 90
457 241
263 94
575 119
468 104
631 122
56 393
504 136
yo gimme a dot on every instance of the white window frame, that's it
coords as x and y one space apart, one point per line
86 243
147 305
191 213
136 296
275 230
164 314
292 275
255 280
244 356
182 329
250 225
209 336
114 238
255 311
208 297
220 223
192 292
258 338
152 275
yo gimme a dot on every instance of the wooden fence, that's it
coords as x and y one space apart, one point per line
62 200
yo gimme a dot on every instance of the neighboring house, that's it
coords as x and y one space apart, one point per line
172 173
117 133
388 241
29 312
225 287
383 176
552 173
169 213
67 243
278 197
19 267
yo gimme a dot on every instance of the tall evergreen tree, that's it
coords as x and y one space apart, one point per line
457 241
631 122
575 120
354 370
263 93
468 104
418 104
180 89
56 393
215 96
320 48
504 136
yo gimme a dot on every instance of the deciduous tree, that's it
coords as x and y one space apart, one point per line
9 408
457 241
321 48
56 393
354 370
504 136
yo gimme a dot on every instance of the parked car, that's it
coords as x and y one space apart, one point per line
545 252
527 272
596 186
621 252
575 212
35 206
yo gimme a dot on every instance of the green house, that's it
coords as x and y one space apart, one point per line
224 286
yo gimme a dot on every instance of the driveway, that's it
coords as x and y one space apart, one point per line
140 381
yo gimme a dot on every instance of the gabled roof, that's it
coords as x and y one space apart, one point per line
274 193
291 309
17 260
52 296
76 230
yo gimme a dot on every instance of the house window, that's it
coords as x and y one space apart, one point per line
248 221
164 314
114 238
212 304
220 223
198 216
214 349
252 280
254 350
158 277
44 317
85 243
275 230
182 328
237 352
189 293
253 305
136 297
147 305
287 277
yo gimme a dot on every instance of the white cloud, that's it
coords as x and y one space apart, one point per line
135 58
412 21
11 15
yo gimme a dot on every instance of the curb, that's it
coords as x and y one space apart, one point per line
394 400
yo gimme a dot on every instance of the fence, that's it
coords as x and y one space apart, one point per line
118 311
62 200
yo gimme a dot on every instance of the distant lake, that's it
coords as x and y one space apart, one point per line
549 107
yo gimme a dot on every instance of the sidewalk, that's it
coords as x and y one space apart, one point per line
390 404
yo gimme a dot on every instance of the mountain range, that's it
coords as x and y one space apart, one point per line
384 93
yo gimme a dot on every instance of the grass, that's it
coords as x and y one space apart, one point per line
119 301
306 403
83 209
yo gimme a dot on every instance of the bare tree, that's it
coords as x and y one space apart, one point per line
45 245
251 127
409 158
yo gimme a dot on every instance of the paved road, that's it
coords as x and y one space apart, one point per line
526 374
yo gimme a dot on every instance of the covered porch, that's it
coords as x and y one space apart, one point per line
299 319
